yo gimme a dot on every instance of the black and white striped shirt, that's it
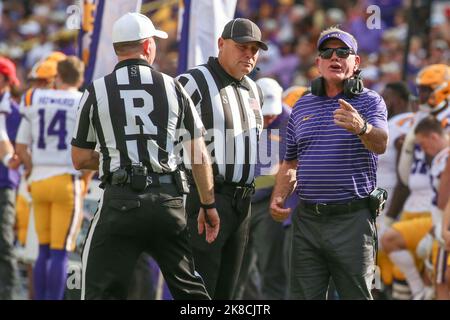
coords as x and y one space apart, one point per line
135 115
231 113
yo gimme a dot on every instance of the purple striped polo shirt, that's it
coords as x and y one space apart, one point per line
333 164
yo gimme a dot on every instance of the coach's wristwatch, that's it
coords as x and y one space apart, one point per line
364 128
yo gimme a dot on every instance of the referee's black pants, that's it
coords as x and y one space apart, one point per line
128 223
219 263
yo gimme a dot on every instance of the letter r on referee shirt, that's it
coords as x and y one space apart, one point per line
143 112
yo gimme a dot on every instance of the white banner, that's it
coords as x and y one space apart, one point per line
202 24
100 46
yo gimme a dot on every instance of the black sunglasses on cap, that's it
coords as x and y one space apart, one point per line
326 53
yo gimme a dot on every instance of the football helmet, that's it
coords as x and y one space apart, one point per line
292 94
433 83
56 56
44 69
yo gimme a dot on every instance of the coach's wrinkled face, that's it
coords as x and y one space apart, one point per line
238 59
336 61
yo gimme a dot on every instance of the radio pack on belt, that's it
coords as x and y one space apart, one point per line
138 179
181 181
377 201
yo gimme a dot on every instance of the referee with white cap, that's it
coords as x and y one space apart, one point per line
137 116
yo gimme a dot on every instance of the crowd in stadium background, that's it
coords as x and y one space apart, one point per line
31 30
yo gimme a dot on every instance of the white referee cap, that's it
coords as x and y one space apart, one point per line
272 91
134 26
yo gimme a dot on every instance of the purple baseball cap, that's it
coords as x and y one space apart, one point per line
345 37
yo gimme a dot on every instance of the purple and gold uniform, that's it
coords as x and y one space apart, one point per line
49 117
386 178
439 256
416 220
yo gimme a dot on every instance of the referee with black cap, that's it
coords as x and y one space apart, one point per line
229 104
136 116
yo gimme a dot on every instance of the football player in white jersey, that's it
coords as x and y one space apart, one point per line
41 76
397 98
56 187
400 118
434 141
402 238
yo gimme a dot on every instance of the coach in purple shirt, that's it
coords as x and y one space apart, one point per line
333 138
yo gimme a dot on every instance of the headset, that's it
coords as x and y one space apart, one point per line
352 87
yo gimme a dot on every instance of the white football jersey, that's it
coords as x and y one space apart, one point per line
387 162
436 169
444 117
419 182
51 115
419 199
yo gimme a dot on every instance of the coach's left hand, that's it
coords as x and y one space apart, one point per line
348 118
277 210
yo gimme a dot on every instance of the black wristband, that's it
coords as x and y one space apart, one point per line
208 206
364 129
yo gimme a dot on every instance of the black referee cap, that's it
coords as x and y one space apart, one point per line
243 30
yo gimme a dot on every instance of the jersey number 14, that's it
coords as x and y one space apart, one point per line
56 127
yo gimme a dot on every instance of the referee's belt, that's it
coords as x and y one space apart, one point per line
122 177
237 190
336 208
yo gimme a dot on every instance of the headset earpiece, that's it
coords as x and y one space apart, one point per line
318 87
352 86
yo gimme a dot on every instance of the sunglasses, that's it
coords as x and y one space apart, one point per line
326 53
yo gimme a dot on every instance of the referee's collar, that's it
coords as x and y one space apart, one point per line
130 62
225 78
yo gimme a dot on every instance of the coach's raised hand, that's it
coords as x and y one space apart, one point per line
348 118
